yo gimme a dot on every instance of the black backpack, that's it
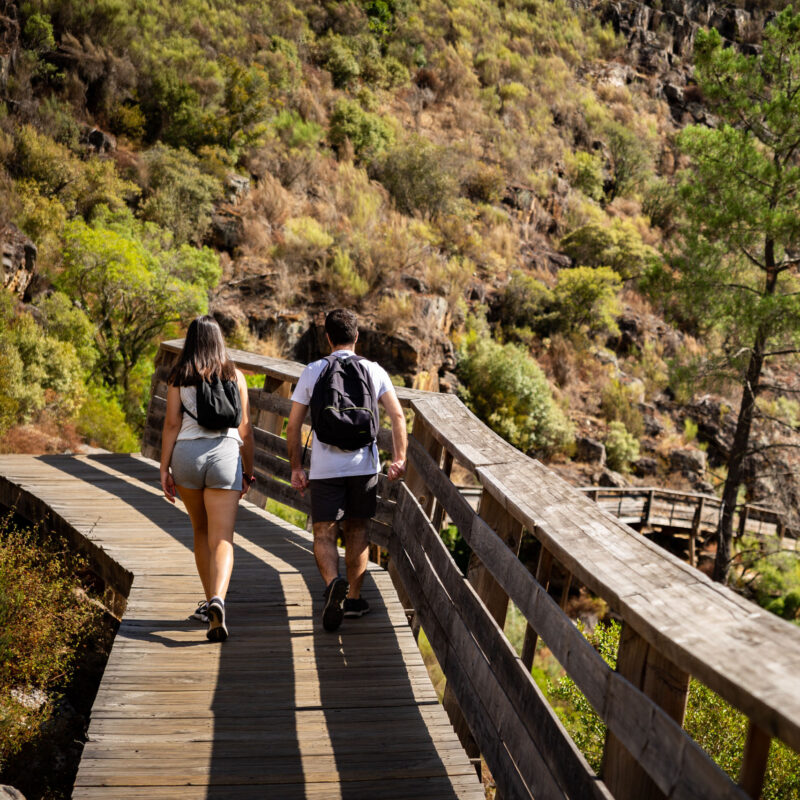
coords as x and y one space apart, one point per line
344 409
219 405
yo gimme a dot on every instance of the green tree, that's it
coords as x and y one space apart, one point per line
737 269
132 283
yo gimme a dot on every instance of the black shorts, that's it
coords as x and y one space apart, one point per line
351 497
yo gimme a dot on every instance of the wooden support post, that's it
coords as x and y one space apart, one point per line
665 685
164 360
648 509
698 518
447 468
414 481
754 761
267 420
543 570
743 520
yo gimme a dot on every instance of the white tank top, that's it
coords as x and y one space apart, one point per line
189 427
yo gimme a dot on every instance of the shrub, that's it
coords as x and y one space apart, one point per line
618 246
508 391
102 421
622 447
337 56
345 278
586 300
419 176
43 624
619 403
483 183
526 302
585 172
368 134
178 195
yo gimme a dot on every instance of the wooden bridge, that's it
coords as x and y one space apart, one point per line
691 515
285 710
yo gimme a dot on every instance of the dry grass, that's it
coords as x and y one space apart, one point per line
42 437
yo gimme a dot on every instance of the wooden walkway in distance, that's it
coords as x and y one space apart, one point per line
282 709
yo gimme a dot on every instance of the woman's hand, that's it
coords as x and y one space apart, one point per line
168 485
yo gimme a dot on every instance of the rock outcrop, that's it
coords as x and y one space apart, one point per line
9 39
17 259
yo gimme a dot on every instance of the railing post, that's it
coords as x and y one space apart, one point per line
667 686
268 420
543 570
754 761
648 509
698 517
154 421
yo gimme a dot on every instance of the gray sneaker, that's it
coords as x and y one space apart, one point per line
217 630
201 612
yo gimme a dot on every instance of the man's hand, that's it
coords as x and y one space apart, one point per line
396 470
299 480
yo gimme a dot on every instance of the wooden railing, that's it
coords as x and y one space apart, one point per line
676 623
690 512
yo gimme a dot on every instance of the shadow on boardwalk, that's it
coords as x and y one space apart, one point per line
297 712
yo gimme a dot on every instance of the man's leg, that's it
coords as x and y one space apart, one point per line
325 553
356 555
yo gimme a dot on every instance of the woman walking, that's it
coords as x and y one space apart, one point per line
210 469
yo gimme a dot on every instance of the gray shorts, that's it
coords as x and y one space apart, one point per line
351 497
207 463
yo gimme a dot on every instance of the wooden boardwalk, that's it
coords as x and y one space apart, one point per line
282 709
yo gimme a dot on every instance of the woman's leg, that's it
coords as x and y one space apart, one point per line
195 506
220 507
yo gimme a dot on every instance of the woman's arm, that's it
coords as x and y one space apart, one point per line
246 432
169 433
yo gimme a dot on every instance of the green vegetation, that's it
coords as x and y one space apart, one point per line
735 276
45 621
714 724
505 387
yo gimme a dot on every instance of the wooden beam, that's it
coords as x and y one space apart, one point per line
754 761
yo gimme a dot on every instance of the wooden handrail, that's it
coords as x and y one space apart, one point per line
676 622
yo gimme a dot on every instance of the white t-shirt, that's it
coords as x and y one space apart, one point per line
328 461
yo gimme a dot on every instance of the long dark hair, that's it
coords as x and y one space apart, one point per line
204 355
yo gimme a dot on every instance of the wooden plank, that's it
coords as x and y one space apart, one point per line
754 761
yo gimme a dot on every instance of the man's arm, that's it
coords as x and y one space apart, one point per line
399 436
294 429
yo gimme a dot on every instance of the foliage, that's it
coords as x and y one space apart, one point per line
40 372
586 300
622 447
715 725
287 513
458 548
618 245
368 134
510 393
420 177
619 402
736 271
585 171
132 282
102 421
631 159
43 624
178 195
526 302
772 579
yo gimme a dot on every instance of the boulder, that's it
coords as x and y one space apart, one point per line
590 451
17 260
227 229
9 40
612 479
645 466
237 186
688 460
100 141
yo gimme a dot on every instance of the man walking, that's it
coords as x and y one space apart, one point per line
343 482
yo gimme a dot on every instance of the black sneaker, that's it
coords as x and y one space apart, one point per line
201 612
335 592
217 630
355 607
